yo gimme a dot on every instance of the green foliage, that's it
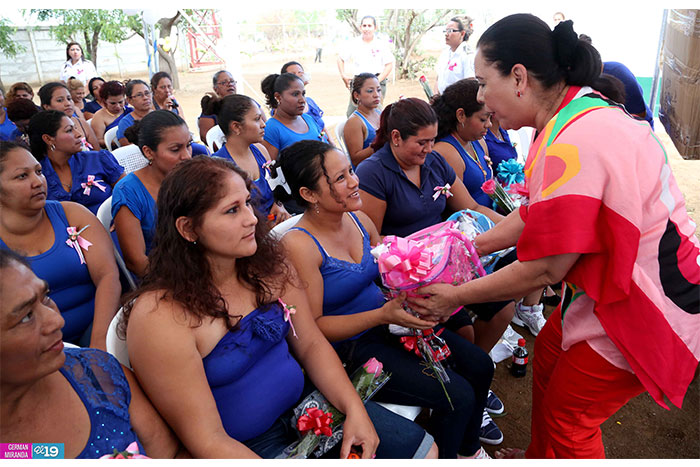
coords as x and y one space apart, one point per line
406 28
350 17
87 27
8 47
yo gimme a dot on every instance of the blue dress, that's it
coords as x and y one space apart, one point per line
125 122
7 128
91 106
315 111
115 122
473 176
132 194
69 281
371 132
100 164
263 198
253 377
500 151
349 287
99 381
409 208
280 136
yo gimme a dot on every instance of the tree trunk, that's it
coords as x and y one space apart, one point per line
167 59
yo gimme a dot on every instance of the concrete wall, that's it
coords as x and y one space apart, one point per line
44 57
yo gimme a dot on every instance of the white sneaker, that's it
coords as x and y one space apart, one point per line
529 316
481 454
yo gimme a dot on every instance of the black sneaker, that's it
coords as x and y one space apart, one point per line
493 404
489 432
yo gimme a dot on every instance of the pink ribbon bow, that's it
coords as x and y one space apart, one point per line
91 182
406 262
77 242
267 165
288 312
442 190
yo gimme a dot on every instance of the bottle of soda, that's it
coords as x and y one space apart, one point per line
519 366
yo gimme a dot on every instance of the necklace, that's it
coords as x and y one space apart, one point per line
67 186
110 113
475 158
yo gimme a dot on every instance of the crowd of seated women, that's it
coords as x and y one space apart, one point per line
206 329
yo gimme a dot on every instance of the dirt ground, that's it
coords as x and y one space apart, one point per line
641 429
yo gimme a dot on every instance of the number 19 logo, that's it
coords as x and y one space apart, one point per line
47 451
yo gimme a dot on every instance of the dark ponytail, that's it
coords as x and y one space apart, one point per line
152 126
407 116
46 122
231 109
276 83
549 56
303 164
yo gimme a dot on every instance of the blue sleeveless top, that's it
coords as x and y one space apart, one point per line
99 380
253 377
348 287
371 132
473 177
115 122
69 281
263 197
101 164
131 192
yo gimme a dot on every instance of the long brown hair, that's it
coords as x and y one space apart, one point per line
181 269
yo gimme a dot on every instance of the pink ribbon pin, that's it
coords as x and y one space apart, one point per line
288 312
442 190
91 182
77 242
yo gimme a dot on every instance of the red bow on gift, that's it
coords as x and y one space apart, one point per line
316 420
410 343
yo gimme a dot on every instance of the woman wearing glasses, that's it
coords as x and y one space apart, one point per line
138 95
456 61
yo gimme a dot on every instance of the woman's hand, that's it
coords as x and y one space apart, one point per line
395 314
279 212
440 302
358 430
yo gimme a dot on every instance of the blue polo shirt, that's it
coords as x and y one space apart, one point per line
500 151
408 207
7 128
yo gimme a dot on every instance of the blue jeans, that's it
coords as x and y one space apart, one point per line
456 431
399 438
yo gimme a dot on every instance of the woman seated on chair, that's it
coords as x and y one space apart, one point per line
208 339
113 94
164 140
86 400
285 94
361 127
86 177
65 244
56 96
398 186
77 93
94 89
242 123
330 248
138 96
163 98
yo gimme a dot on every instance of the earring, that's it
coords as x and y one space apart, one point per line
194 242
518 94
462 123
316 208
53 147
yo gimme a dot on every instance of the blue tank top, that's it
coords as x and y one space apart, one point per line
264 197
371 132
99 380
253 377
115 122
348 287
473 176
69 281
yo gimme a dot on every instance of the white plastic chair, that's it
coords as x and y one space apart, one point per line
111 141
104 215
115 344
130 157
339 135
215 138
280 229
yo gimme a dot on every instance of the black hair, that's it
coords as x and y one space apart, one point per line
407 116
155 79
151 127
459 95
288 64
357 82
469 29
231 108
303 164
133 82
71 44
611 87
46 91
7 257
92 80
5 148
549 56
46 122
21 109
276 83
